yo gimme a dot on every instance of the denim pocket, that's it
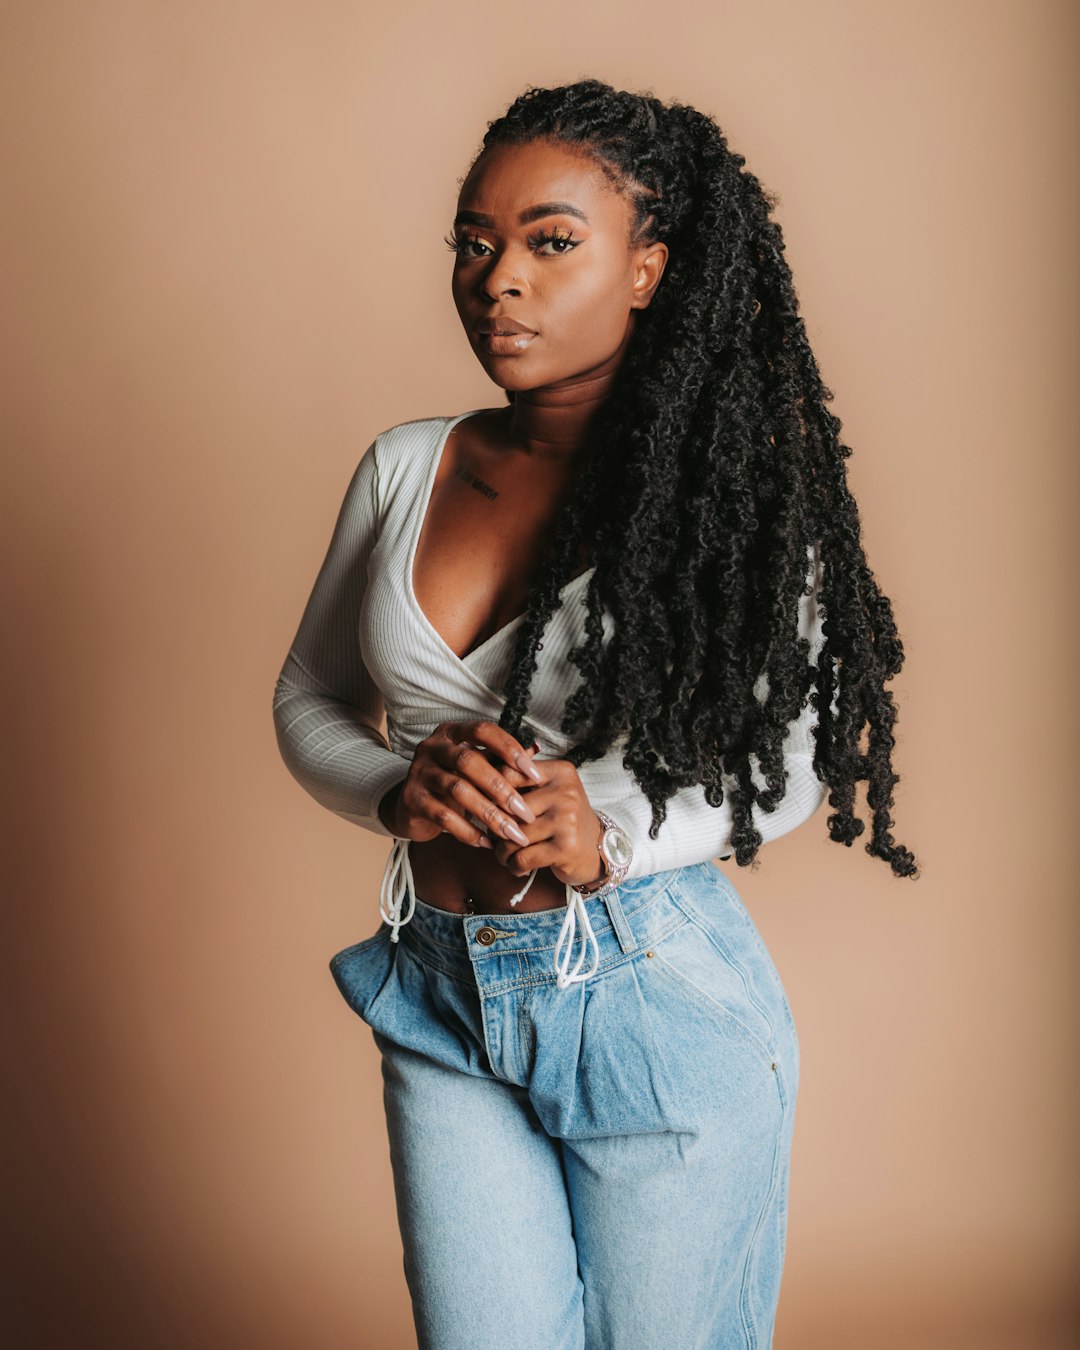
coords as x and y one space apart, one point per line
702 969
765 963
710 901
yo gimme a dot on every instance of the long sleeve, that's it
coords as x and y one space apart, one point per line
693 831
328 711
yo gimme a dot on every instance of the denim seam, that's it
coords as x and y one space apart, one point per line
740 909
618 959
703 926
650 899
750 1263
433 961
494 922
782 1207
360 946
763 1048
525 1039
600 925
600 930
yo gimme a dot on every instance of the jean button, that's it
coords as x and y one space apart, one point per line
486 935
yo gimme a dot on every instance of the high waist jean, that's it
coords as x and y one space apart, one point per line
601 1166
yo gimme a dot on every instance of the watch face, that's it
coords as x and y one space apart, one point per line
617 849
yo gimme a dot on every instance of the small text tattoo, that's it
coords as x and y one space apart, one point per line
478 483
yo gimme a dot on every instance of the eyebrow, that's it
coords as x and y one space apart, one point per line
526 217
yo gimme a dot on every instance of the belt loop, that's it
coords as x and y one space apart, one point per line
627 941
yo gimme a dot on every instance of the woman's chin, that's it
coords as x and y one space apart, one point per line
512 380
519 376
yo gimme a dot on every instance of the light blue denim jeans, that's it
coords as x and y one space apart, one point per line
602 1166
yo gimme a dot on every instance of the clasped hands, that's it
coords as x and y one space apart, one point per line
476 782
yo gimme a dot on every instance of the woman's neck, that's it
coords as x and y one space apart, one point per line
553 422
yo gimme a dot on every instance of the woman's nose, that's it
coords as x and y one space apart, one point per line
502 280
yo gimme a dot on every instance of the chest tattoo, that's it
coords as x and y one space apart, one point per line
478 483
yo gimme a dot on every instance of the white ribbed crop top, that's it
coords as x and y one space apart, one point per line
364 648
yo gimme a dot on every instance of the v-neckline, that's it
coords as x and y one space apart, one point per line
420 517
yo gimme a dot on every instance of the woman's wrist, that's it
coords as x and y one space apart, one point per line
388 806
616 855
598 860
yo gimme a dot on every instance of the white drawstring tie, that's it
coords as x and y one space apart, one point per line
575 909
397 887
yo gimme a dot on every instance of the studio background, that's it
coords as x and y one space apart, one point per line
223 274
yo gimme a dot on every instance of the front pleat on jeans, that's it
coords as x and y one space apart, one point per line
649 1042
677 1049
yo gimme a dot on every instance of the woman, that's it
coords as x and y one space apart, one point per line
595 621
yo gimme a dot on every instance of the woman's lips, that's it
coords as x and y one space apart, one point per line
506 344
502 335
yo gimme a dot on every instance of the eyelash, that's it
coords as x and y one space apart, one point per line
459 243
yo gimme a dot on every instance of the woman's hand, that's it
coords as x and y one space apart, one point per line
454 787
566 834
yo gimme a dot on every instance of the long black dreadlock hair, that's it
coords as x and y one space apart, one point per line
714 468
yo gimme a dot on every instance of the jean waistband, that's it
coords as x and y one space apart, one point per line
536 931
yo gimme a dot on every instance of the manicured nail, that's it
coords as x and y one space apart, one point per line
520 809
515 832
528 768
485 842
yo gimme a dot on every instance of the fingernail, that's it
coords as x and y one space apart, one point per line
527 767
519 808
485 842
515 832
535 747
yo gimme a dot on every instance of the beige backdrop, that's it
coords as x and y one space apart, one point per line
223 274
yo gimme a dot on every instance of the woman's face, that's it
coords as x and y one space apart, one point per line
543 239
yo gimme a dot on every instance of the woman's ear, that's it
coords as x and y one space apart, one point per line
649 263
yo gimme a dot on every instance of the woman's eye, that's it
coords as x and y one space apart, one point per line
463 245
561 242
472 246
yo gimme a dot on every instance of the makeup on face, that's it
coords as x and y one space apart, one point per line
503 336
543 274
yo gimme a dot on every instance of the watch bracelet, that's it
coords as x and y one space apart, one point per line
609 882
